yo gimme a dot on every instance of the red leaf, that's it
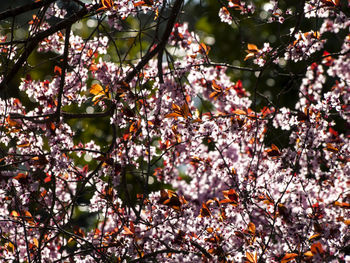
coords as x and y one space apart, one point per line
178 111
274 151
250 258
288 257
251 228
57 70
205 212
128 231
20 176
107 4
331 148
47 178
342 204
316 248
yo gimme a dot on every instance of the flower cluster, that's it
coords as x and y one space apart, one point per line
184 169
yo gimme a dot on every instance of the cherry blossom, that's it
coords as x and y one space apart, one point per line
178 164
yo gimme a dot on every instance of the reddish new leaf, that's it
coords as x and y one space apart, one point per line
288 257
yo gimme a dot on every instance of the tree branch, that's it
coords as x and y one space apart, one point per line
34 41
65 115
22 9
152 52
63 73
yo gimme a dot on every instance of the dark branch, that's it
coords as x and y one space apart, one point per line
34 41
63 73
169 27
25 8
66 115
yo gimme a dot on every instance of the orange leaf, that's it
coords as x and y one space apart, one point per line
99 92
96 89
225 201
23 145
204 49
11 122
163 196
288 257
14 213
251 228
218 90
314 236
317 248
35 20
231 194
139 3
144 3
231 197
248 56
267 199
173 114
57 70
10 247
174 202
20 176
107 3
185 110
43 193
197 120
132 227
47 178
175 107
347 222
122 88
282 210
135 126
214 95
127 231
28 214
36 242
237 4
251 258
216 87
171 199
308 254
342 204
252 48
210 230
93 67
224 9
274 151
52 126
331 148
239 112
331 3
178 111
205 212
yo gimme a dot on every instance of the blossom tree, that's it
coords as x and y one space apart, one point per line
187 166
